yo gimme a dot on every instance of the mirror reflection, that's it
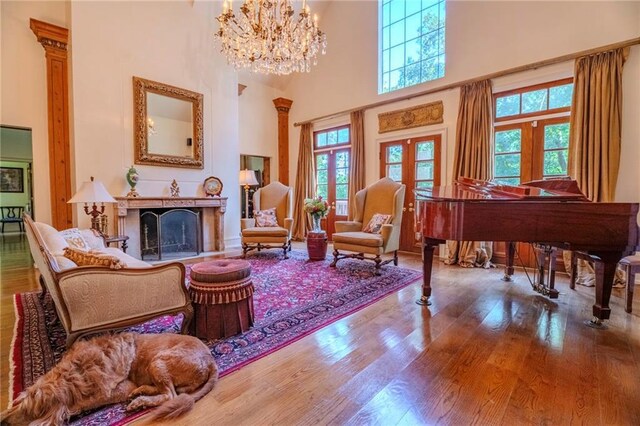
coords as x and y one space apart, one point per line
169 126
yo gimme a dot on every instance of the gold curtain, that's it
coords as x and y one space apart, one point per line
594 140
473 159
357 162
305 184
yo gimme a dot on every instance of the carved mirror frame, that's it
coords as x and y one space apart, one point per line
141 87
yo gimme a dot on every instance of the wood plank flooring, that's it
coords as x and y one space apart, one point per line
485 352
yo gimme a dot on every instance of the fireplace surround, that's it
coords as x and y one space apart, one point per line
211 220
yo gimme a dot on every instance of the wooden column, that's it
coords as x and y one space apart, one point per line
54 39
283 106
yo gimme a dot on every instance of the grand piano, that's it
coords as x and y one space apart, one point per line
551 212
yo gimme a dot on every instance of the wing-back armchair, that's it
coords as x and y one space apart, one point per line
384 197
278 196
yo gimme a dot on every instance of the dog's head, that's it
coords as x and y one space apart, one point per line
38 405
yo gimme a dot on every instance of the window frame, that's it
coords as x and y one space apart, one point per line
520 91
329 130
438 58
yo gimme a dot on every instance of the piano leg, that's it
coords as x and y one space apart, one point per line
428 247
605 269
511 253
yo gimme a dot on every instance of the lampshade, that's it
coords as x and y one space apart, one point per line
92 192
248 177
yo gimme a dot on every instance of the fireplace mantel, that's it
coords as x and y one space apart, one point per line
127 211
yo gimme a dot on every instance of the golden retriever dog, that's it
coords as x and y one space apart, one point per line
168 371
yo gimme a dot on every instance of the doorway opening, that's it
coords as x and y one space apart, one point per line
262 168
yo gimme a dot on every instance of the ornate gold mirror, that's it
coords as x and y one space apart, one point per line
167 125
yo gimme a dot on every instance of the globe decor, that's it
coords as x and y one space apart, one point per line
317 208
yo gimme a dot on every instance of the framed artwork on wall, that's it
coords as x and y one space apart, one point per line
11 179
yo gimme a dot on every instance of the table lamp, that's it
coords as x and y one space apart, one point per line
94 192
247 179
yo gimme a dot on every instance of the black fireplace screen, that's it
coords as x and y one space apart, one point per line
169 234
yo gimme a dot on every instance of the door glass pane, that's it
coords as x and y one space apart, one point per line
394 154
342 159
424 170
342 175
508 141
508 105
394 171
424 150
424 184
556 136
322 162
555 162
508 181
323 191
342 192
322 177
534 101
342 207
560 96
507 165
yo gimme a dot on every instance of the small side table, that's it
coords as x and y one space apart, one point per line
317 245
120 240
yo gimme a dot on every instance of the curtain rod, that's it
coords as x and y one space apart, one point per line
521 68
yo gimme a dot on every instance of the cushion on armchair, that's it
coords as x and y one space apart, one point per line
375 224
266 218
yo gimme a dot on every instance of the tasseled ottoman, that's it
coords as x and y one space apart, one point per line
222 296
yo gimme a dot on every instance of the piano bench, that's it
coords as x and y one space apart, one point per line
631 266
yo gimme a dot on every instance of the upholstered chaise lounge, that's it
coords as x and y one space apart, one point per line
90 299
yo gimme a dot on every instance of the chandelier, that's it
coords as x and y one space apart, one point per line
267 38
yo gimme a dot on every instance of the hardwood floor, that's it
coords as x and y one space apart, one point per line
485 352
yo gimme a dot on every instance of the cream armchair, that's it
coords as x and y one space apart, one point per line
91 299
385 197
273 195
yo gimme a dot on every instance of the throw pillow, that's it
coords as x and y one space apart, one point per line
84 258
375 224
74 239
266 218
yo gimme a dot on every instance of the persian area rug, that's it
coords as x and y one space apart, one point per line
293 298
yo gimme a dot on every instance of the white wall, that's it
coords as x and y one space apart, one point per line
23 85
169 42
482 37
258 130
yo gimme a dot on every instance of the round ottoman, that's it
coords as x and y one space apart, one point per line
222 296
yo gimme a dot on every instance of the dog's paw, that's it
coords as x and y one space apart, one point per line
136 404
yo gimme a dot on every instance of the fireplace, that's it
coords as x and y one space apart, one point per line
170 234
211 221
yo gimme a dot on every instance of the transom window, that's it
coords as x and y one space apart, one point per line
412 42
547 98
534 145
330 138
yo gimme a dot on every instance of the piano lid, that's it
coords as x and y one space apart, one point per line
563 189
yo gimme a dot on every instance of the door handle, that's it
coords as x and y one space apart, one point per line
404 209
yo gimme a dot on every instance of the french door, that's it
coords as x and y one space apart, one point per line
531 150
332 183
416 163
